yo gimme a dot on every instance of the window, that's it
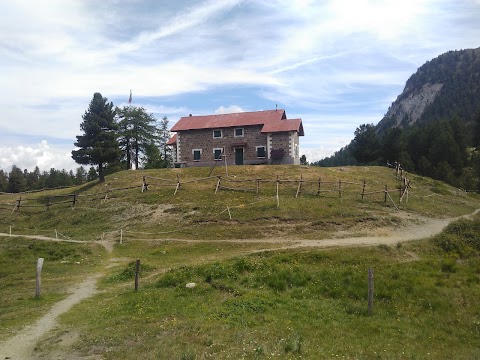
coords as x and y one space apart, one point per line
217 134
238 132
197 154
217 153
260 151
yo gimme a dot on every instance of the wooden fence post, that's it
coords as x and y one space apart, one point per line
363 190
370 291
299 186
218 185
319 185
178 185
278 199
340 188
17 205
137 270
144 185
74 201
48 204
10 230
386 192
258 185
38 277
121 236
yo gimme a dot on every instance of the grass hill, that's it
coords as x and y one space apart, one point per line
248 302
197 212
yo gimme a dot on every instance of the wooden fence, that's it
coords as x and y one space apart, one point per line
253 185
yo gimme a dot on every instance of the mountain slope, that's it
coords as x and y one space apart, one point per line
444 87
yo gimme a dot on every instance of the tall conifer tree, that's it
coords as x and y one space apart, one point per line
98 146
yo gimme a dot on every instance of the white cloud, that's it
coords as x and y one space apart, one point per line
42 155
334 57
229 109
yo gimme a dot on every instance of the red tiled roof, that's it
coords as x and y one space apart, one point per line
173 140
275 120
284 125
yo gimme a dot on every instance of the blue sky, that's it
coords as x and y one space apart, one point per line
336 64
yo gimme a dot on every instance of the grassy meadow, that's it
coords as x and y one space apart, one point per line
248 303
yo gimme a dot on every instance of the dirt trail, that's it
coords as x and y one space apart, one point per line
22 345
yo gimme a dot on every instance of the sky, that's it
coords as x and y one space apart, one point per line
335 64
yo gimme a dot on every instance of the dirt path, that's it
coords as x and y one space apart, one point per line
22 345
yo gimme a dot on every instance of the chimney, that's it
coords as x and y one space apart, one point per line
275 107
190 115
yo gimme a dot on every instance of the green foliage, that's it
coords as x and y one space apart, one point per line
98 145
366 145
138 130
460 238
16 180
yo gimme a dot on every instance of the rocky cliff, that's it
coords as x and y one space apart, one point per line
444 87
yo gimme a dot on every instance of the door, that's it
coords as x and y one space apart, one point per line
238 156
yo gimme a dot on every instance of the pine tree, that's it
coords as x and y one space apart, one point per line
137 130
16 180
3 181
98 146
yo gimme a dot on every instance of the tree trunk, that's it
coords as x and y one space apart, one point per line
136 154
129 156
101 175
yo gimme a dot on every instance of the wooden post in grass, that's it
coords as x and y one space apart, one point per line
48 204
74 201
17 205
144 185
363 190
319 185
10 230
386 192
137 270
340 188
38 277
278 199
121 236
370 291
218 185
178 185
258 185
299 186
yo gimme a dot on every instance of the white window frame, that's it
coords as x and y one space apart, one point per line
193 153
217 137
235 132
264 151
221 153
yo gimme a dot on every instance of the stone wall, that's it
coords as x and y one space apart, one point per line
203 139
285 141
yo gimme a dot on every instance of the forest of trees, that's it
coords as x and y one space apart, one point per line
443 150
444 143
18 180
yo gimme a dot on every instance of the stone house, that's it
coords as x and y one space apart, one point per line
259 137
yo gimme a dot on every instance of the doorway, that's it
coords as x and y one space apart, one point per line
238 156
